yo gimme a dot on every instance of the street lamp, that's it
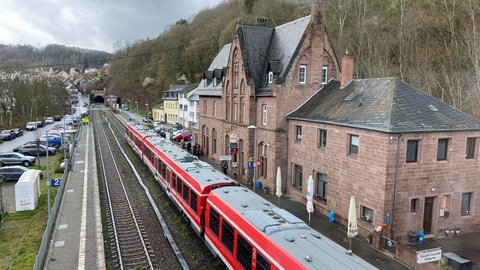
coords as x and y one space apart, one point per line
136 103
254 153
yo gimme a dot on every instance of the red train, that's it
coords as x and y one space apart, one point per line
240 227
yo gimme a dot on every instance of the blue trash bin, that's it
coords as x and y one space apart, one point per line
258 184
332 216
421 235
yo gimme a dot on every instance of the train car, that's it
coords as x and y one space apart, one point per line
248 232
185 178
135 134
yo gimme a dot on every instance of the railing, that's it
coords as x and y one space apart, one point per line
388 244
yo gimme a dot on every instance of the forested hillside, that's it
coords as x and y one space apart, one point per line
431 44
15 57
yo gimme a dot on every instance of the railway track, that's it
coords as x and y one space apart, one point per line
138 235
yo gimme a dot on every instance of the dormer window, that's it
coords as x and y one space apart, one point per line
270 77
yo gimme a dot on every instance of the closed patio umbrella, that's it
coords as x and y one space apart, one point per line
309 197
279 184
352 229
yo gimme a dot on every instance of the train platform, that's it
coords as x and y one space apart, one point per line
77 241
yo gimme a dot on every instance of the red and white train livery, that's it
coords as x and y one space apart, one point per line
239 226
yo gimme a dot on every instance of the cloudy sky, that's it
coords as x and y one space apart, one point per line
91 24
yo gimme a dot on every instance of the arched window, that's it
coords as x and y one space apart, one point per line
214 141
236 67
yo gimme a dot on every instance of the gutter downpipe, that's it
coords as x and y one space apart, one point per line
395 187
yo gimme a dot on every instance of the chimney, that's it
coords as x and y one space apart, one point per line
317 11
347 69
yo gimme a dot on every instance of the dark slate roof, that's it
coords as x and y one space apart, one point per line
218 68
271 48
187 88
386 105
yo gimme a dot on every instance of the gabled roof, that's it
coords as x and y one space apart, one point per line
217 70
187 88
385 105
266 47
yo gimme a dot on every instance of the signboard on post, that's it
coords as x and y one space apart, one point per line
429 255
225 158
55 182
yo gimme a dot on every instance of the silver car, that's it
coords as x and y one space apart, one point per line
33 150
16 159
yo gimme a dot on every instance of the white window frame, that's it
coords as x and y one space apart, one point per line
324 75
270 77
302 74
264 114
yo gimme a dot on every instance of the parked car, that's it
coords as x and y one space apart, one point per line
57 118
11 173
9 158
53 140
18 132
40 123
177 126
49 120
33 142
7 135
33 150
186 135
31 126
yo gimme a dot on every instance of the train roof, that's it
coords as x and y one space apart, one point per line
204 173
308 246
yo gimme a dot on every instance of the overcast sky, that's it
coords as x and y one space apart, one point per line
92 24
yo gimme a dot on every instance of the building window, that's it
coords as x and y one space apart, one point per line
322 185
235 112
205 107
214 107
324 74
442 149
242 111
298 174
322 138
302 74
465 210
470 151
367 214
412 150
354 143
298 133
414 205
264 114
270 77
214 141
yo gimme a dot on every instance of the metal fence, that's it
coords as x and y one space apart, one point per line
388 244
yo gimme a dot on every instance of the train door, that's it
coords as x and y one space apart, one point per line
427 215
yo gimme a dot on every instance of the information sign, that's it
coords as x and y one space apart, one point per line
429 255
55 182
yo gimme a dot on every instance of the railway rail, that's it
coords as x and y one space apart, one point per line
138 235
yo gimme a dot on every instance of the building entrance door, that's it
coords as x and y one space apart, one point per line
427 215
